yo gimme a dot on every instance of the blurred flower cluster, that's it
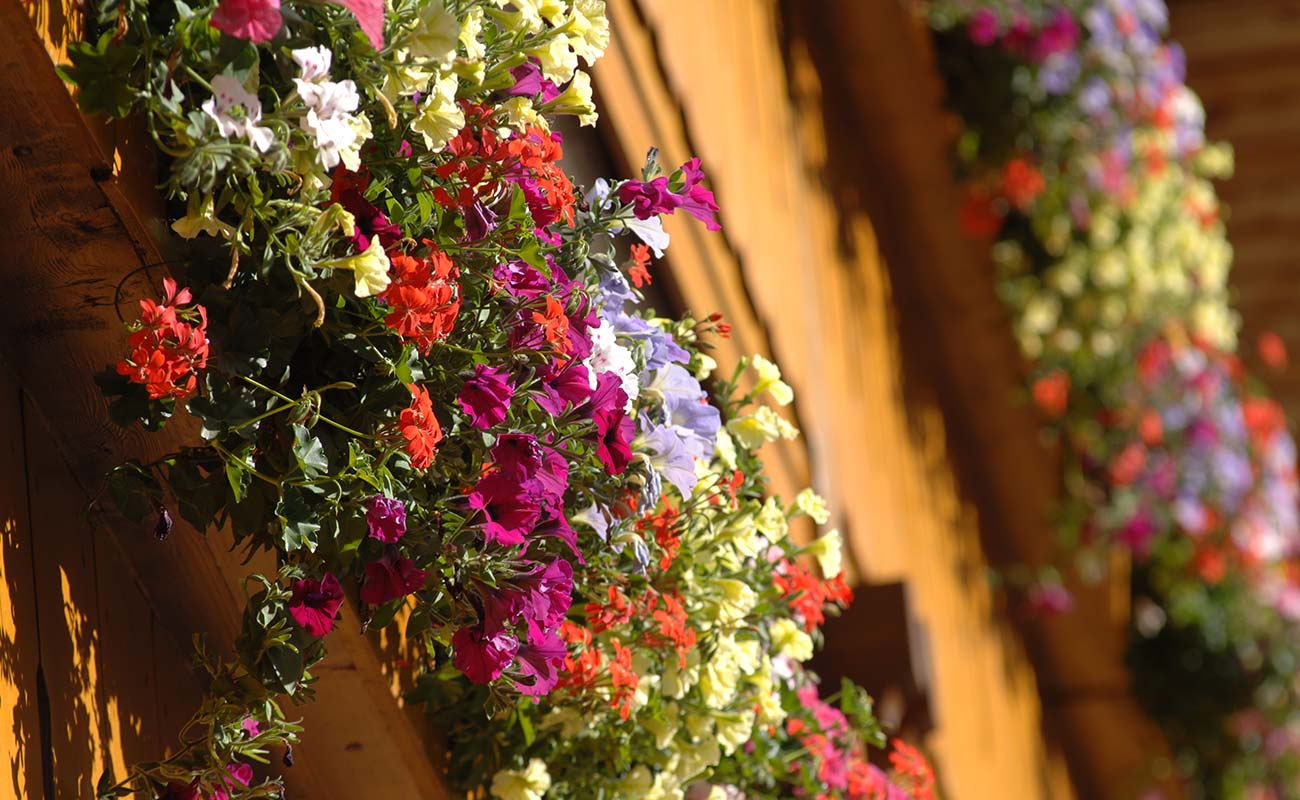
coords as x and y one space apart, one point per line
1087 171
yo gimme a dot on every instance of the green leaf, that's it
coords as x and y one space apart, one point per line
309 452
297 522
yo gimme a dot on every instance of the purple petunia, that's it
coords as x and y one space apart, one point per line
510 511
386 518
486 396
482 654
315 603
390 578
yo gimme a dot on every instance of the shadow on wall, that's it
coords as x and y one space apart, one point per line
88 681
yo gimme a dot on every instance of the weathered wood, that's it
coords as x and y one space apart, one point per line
20 719
75 227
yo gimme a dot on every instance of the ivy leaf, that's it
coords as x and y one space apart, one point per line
297 523
239 479
309 452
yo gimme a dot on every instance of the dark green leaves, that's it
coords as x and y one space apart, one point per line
98 70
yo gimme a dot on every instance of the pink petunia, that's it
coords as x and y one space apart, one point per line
254 20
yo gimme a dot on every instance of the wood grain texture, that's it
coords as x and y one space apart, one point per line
74 230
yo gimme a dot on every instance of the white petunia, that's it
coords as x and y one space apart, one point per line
237 113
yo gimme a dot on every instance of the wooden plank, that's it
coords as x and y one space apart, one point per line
20 727
70 645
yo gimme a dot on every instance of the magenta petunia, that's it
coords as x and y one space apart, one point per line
614 429
486 396
315 603
386 518
510 512
697 200
649 198
390 578
562 387
370 221
654 197
483 655
254 20
540 659
547 593
240 773
370 17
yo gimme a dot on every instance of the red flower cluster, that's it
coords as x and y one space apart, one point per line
420 428
555 325
639 272
423 297
481 160
809 594
912 770
625 680
614 613
666 535
168 345
673 629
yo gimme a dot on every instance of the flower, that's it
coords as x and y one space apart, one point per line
237 111
1272 350
1052 392
788 640
390 578
486 395
423 297
201 217
168 345
386 518
369 269
435 35
576 101
370 18
335 133
756 428
420 427
483 655
828 551
810 503
315 603
509 510
769 380
441 117
530 783
254 20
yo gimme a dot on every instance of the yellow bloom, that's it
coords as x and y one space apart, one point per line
829 553
441 118
756 429
521 114
734 601
771 521
529 783
576 100
369 269
470 29
734 730
436 34
769 380
790 640
810 503
725 449
200 217
588 29
557 59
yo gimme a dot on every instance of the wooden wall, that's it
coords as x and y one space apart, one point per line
88 676
1241 60
712 79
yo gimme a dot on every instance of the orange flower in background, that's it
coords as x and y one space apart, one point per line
639 272
555 325
625 680
1264 418
1151 428
1210 564
1052 392
979 216
1272 350
616 612
911 770
1022 183
673 629
420 428
1128 464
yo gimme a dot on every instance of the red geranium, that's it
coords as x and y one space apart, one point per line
168 346
421 429
423 297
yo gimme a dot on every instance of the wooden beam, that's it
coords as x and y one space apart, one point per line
74 228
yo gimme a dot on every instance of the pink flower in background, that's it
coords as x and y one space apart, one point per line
983 27
370 16
254 20
315 603
260 20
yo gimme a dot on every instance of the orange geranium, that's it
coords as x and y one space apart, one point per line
420 427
